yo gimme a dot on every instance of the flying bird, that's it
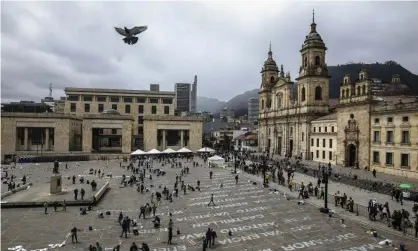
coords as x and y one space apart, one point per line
130 34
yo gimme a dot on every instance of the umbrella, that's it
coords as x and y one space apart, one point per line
406 186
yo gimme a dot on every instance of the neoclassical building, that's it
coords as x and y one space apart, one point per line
372 124
285 122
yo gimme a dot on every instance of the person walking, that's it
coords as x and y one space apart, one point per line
211 202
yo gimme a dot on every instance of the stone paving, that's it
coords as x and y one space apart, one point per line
258 219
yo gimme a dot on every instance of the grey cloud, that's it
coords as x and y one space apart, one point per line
74 44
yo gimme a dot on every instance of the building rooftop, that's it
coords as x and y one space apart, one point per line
331 116
115 91
173 118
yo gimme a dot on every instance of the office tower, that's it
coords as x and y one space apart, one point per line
182 97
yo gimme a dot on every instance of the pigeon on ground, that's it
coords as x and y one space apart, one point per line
130 34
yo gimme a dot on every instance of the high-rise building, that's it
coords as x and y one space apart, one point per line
253 105
182 97
193 104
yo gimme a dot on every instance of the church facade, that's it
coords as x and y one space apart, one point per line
373 124
285 122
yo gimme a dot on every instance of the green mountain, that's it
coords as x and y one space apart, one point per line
382 71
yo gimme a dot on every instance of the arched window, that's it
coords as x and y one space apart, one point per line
262 104
318 93
364 89
303 94
332 128
358 91
361 76
317 60
272 79
305 61
343 94
279 101
345 81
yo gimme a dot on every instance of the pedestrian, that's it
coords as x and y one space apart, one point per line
208 237
75 194
214 236
74 235
64 205
98 247
141 212
374 173
236 179
170 231
154 209
82 193
211 202
210 174
46 207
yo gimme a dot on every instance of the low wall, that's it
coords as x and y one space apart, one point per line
102 191
8 193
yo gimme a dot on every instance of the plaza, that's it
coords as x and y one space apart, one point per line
259 219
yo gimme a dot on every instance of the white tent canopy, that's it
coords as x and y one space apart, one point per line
153 151
169 150
138 152
184 150
206 150
216 160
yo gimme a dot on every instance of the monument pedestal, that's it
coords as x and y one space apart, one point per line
56 184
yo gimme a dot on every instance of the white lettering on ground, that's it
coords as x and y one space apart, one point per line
319 242
363 247
208 197
217 201
177 248
228 221
250 237
203 216
296 219
229 205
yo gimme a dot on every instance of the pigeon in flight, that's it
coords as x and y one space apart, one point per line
130 34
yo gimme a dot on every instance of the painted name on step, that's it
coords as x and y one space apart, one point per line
230 205
228 221
251 237
319 242
203 216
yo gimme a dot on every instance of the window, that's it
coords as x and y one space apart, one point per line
101 108
153 100
140 100
330 155
318 93
140 109
405 119
317 154
405 137
363 89
376 120
343 94
114 131
404 160
361 76
317 60
376 136
376 157
323 154
358 91
88 98
86 107
317 142
389 158
272 79
312 142
326 128
390 120
166 109
72 107
303 94
323 142
167 101
314 129
262 104
332 129
101 99
305 61
319 128
140 130
140 120
73 98
153 109
303 136
127 108
330 143
115 107
389 137
127 100
114 99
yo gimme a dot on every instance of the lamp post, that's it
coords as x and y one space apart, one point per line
326 189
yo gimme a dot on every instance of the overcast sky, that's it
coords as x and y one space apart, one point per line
225 44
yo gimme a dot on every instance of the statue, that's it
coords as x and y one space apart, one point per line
130 34
55 170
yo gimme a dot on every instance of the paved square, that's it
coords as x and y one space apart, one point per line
257 218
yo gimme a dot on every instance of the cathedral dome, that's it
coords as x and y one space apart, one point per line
313 39
270 64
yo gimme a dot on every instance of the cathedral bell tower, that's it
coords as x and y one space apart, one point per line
313 80
269 74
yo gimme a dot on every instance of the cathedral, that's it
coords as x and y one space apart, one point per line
372 124
285 122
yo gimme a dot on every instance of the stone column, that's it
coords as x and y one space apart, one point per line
46 139
25 141
181 138
164 144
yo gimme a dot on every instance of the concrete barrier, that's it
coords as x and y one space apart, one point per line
21 188
101 192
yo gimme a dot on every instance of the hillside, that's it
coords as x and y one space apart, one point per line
211 105
382 71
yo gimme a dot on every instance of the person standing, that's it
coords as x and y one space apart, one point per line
154 209
210 174
82 193
75 194
170 231
74 235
